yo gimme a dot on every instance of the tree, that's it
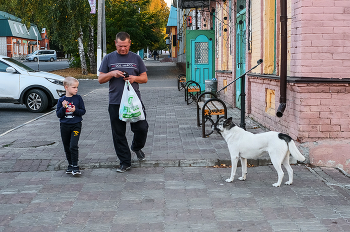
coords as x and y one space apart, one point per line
67 21
142 21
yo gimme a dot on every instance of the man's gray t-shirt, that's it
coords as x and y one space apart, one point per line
130 63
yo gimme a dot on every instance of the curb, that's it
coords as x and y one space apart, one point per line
167 163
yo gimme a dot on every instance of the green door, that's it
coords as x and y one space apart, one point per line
201 60
240 52
200 56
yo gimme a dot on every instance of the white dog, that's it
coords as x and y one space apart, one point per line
246 145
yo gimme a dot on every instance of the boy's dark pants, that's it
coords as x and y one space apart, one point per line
70 134
121 146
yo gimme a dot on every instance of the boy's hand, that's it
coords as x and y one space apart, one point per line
72 108
65 104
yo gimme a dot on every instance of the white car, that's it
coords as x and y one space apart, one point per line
21 84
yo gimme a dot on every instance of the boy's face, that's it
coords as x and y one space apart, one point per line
72 89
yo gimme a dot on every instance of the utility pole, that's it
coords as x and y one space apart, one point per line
100 29
104 42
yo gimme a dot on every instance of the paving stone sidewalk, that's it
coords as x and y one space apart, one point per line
171 199
173 139
176 189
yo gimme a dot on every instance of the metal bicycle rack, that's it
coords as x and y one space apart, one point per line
208 108
192 91
181 82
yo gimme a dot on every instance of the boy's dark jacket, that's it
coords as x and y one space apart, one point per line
77 114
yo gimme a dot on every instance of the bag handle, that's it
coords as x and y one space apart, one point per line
127 83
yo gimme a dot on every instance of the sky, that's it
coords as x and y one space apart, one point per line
168 2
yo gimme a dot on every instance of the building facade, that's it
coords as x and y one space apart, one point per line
16 40
317 65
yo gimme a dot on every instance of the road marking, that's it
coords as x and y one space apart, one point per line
26 123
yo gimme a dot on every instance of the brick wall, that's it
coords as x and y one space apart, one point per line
320 43
313 112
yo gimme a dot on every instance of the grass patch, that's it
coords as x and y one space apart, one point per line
74 72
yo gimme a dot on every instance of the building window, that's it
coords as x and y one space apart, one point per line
201 53
225 84
269 36
270 102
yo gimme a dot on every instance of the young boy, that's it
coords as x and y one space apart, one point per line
70 109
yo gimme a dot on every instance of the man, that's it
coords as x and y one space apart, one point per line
155 54
112 70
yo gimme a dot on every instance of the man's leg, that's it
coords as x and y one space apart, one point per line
140 130
119 139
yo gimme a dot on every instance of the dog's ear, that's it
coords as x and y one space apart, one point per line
227 122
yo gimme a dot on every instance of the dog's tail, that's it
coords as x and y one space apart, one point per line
292 147
294 151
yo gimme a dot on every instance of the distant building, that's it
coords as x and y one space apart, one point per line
171 30
16 40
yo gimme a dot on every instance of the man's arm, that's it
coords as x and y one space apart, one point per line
105 77
138 79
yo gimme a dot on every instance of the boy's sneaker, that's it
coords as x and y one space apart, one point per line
69 169
123 168
76 170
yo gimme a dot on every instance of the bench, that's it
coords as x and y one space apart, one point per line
208 107
192 91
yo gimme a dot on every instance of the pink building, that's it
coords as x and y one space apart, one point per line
313 59
317 112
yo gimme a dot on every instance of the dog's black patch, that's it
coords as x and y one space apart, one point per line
284 137
229 124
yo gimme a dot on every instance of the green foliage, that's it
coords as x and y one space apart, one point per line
64 18
132 18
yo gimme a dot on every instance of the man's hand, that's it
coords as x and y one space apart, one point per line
117 73
131 79
105 77
138 79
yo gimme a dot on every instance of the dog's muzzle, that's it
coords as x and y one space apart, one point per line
214 127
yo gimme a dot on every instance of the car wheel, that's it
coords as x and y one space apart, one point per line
36 101
35 59
51 59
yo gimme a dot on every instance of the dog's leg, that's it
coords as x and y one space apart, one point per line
244 169
234 160
277 166
289 169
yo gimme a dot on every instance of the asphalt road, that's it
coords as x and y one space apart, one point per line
14 115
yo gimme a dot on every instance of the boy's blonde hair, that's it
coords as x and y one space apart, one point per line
69 80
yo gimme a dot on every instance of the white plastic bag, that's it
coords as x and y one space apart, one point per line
130 109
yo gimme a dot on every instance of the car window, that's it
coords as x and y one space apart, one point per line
10 60
3 67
